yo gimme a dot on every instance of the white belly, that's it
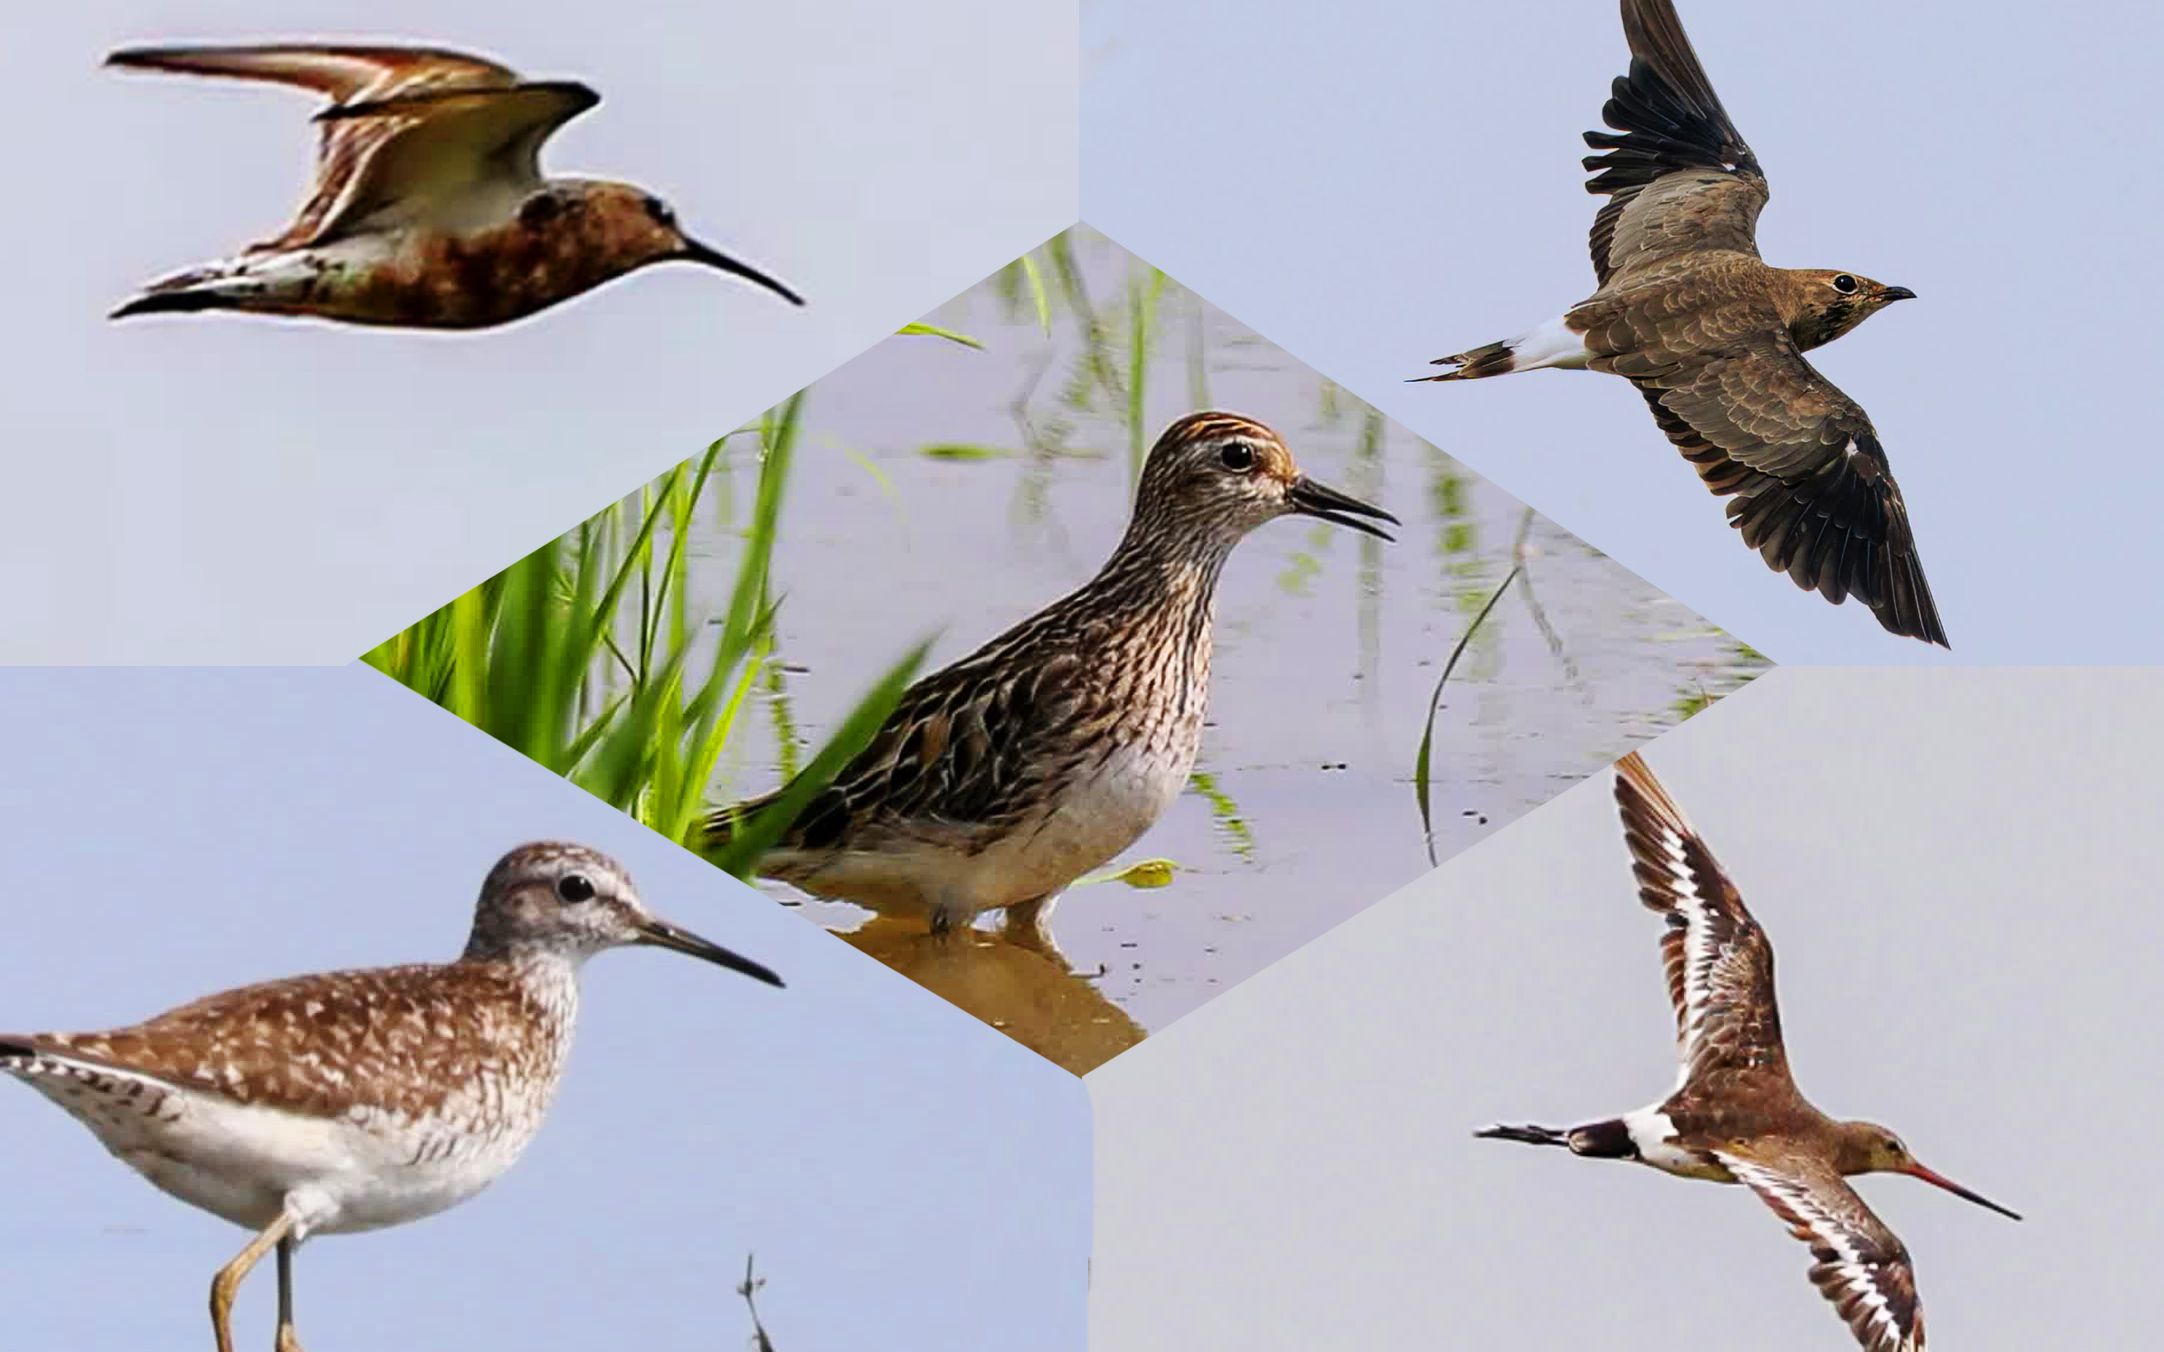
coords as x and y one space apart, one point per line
249 1163
1096 817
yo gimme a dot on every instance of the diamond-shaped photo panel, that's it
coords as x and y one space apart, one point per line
1077 653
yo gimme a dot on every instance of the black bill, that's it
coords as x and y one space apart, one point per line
1309 498
661 934
715 258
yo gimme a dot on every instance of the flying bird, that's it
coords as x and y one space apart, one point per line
1736 1115
1714 337
429 208
1001 779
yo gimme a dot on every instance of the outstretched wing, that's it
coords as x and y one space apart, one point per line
404 122
1718 961
1862 1267
1678 176
1812 490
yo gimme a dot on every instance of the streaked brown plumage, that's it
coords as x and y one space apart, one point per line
1714 338
999 780
1736 1115
429 208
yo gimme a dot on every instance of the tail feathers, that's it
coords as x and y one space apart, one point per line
1609 1140
1496 359
1526 1135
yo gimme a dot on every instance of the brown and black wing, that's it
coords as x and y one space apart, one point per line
958 755
1677 174
1862 1267
1812 490
1718 961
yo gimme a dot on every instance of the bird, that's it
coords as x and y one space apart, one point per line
1736 1115
1714 337
350 1101
429 208
999 780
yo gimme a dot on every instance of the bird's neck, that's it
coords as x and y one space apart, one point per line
1146 583
1810 317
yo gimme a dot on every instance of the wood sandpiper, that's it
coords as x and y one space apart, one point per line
349 1101
1001 779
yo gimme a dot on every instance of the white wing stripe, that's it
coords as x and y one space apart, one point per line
1859 1285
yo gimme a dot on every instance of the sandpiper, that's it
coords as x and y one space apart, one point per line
429 208
1714 338
1001 779
350 1101
1736 1115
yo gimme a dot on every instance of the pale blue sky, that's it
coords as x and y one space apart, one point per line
910 1178
1376 183
1957 871
220 489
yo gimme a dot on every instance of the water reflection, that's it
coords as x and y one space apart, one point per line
1021 985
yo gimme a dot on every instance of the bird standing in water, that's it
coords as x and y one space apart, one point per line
1000 780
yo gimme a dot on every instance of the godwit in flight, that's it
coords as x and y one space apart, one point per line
1736 1115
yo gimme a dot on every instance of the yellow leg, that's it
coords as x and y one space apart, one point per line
227 1282
288 1340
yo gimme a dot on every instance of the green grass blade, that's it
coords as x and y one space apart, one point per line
755 836
1421 762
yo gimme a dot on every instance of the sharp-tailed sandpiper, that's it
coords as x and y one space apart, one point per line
1001 779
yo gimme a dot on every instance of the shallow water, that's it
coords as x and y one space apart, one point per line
940 490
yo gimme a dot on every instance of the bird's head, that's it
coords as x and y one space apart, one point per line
631 228
1868 1148
560 900
1825 304
1213 477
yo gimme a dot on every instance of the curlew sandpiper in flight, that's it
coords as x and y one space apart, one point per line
1714 338
1001 779
429 208
1736 1115
349 1101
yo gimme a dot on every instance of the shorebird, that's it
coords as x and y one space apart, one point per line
349 1101
1714 338
429 209
1001 779
1736 1115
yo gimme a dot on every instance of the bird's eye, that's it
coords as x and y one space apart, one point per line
1237 456
660 211
575 887
1845 284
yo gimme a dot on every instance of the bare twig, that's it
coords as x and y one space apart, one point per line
748 1289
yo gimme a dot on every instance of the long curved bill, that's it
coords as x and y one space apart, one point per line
1938 1179
695 252
658 933
1309 498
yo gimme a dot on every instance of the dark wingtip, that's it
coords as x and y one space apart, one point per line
166 302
